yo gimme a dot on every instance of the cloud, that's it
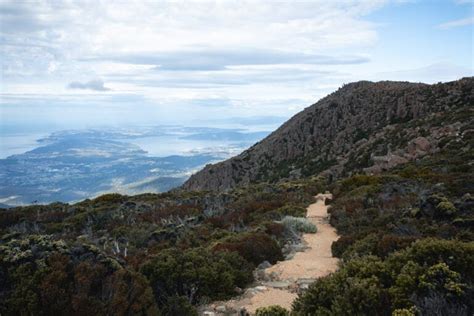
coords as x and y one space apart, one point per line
95 85
212 102
236 58
184 37
219 59
18 18
457 23
442 71
231 76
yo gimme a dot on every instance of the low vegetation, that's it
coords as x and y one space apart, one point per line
298 224
150 254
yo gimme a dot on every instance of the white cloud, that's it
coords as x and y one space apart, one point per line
442 71
457 23
37 35
256 56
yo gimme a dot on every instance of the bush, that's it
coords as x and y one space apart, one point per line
110 198
254 247
359 180
339 246
274 310
41 276
429 275
405 312
446 208
196 274
274 229
178 305
291 210
298 224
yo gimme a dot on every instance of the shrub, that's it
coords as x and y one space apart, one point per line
274 310
431 274
339 246
390 243
359 180
50 278
291 210
110 198
274 229
405 312
195 274
255 247
446 208
298 224
178 305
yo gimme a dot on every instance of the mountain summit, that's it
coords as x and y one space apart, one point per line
363 126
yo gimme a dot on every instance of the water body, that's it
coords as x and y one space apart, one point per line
72 165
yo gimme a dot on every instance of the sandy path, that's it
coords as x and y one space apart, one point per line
317 261
314 262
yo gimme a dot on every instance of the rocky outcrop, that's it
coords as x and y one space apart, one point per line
362 126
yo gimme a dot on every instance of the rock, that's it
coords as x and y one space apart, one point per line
273 275
264 265
221 309
305 280
209 313
260 275
278 284
304 283
260 288
421 143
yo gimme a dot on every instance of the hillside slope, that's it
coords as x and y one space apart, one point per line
362 126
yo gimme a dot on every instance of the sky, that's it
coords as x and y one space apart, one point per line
77 64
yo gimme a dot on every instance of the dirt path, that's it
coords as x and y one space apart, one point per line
289 275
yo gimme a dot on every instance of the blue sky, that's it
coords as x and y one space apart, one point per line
93 63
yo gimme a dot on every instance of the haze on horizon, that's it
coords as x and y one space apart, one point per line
94 63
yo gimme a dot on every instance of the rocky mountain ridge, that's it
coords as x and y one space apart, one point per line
363 126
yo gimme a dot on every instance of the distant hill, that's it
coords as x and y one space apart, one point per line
363 126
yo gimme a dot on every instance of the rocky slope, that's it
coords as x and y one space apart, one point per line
363 126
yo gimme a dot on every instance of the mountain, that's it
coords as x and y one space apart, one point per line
363 126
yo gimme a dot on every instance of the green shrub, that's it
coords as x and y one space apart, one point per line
178 305
274 310
274 229
291 210
41 276
299 224
359 180
446 208
429 274
339 246
405 312
196 274
255 247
